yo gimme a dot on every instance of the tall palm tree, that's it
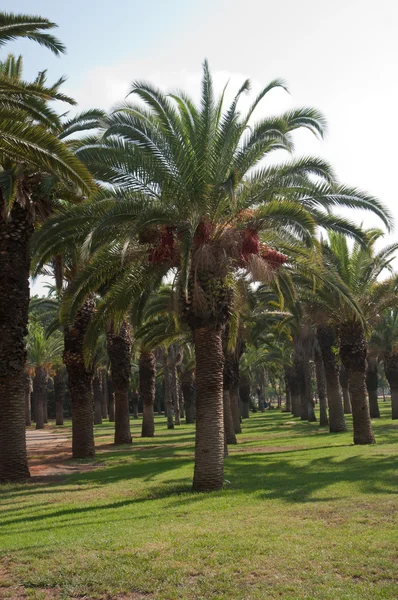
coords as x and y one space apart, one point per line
360 270
42 353
384 341
160 327
119 352
194 201
30 153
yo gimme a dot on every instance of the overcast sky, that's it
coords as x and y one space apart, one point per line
340 56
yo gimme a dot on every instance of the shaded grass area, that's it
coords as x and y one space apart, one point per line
304 514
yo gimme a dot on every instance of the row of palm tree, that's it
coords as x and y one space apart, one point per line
157 223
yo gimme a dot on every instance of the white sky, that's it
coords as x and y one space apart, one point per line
340 56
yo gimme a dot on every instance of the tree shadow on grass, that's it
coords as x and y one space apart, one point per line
285 479
269 477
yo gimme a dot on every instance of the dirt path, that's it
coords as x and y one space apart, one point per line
37 439
49 455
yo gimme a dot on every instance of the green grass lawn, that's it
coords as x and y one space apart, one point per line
304 514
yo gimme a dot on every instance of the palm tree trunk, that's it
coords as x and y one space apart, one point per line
119 352
372 384
147 375
346 401
111 400
302 384
39 390
209 445
15 232
391 371
59 393
28 391
104 399
309 404
168 394
288 386
188 389
244 396
230 436
261 393
232 363
134 402
97 392
80 378
321 386
173 359
328 342
346 393
300 406
182 399
295 388
353 356
45 401
394 403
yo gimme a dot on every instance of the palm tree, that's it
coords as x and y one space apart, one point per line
328 344
42 352
372 384
321 384
191 201
28 393
30 153
359 269
160 328
147 388
119 352
80 372
59 391
384 341
188 383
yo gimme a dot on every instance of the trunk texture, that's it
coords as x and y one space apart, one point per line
188 389
14 305
346 393
111 400
328 343
182 400
209 444
39 390
59 393
346 401
168 394
80 378
134 402
232 365
321 386
45 402
308 402
244 395
147 378
372 384
174 360
295 393
394 403
119 352
391 371
300 400
230 436
104 399
288 388
97 391
28 391
353 356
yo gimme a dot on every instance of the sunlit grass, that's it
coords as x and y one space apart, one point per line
304 514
